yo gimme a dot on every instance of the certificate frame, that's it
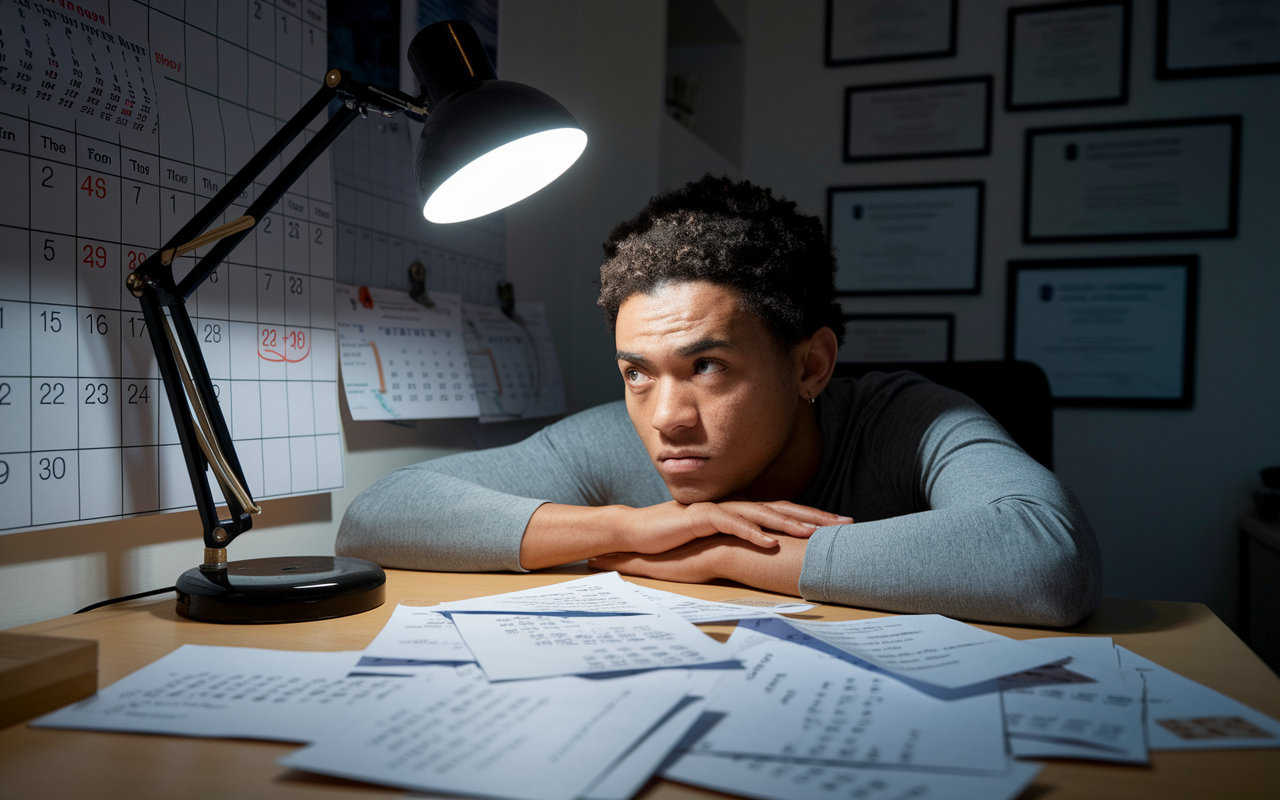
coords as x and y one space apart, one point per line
1164 12
984 149
830 60
1011 72
1180 336
835 231
948 319
1232 189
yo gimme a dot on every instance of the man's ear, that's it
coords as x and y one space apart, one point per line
817 361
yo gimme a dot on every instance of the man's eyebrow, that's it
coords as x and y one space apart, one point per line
702 346
693 349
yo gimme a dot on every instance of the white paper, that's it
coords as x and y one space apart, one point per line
239 692
523 646
400 359
691 609
605 593
1098 650
416 635
929 648
795 702
513 362
626 776
531 740
1185 715
783 780
1100 720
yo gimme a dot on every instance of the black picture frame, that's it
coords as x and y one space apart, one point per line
830 61
985 150
1165 73
1189 262
980 224
949 319
1233 191
1011 75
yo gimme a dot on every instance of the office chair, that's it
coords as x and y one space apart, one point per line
1015 393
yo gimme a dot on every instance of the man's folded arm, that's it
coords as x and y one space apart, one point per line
1003 539
469 512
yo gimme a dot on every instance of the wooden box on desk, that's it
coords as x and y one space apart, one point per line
41 673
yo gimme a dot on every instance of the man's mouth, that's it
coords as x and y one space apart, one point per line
680 463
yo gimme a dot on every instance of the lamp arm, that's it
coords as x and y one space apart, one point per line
206 439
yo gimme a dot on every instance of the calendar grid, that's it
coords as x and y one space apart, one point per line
279 397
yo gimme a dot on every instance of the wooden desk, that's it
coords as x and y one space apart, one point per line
40 763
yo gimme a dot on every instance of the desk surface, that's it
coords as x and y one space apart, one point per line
1185 637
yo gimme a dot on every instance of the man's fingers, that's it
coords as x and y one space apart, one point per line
725 521
808 514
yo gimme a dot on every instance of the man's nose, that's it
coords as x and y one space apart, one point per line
676 407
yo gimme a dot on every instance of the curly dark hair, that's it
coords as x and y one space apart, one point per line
732 234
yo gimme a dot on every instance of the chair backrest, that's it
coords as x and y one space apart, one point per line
1015 393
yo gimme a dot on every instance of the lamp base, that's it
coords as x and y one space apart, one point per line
289 589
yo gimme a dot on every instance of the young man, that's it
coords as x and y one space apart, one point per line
735 456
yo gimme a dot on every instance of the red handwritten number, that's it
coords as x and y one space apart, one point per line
94 187
136 258
268 337
95 256
297 339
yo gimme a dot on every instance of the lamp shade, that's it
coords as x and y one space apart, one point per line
486 143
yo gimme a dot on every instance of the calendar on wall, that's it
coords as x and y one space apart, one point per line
117 121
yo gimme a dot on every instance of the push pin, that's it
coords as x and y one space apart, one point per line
418 284
507 299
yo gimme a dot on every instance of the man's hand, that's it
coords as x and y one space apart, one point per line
559 534
717 557
657 529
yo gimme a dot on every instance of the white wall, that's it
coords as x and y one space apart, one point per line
1162 488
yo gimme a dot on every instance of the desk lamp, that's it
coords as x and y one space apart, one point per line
485 144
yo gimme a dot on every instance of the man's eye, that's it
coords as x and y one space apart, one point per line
707 367
633 375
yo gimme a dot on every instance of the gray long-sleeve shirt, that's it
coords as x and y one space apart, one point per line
951 516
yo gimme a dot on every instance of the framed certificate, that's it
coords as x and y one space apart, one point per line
898 338
926 119
1066 55
869 31
1198 39
1107 331
1168 179
907 238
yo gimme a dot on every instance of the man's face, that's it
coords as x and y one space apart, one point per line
713 398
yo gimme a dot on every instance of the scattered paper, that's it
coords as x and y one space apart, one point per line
239 692
415 636
528 740
1185 715
522 646
787 780
694 610
929 648
794 702
1099 720
634 768
605 593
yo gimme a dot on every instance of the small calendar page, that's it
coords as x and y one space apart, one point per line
118 120
402 359
513 362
